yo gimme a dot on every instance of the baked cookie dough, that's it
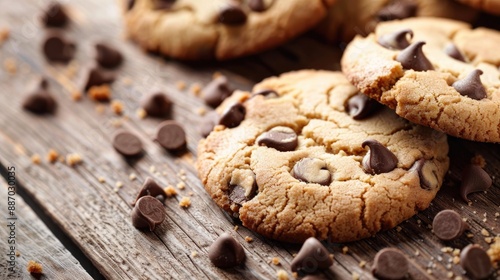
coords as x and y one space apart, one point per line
489 6
347 18
219 29
435 72
309 156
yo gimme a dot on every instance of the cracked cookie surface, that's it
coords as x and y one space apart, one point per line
219 29
447 78
299 164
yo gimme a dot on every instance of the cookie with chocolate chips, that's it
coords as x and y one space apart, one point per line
219 29
434 72
318 159
347 18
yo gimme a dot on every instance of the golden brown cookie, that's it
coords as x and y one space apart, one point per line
306 155
435 72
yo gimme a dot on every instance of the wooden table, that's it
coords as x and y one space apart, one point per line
84 209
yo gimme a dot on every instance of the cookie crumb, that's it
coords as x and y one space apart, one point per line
195 89
35 159
276 261
456 260
282 275
362 264
181 185
132 176
181 85
4 34
456 252
191 193
355 276
100 108
73 159
141 113
488 240
100 93
194 254
170 191
236 227
398 228
10 65
101 180
127 81
494 250
248 239
345 249
216 75
34 267
18 253
201 111
478 160
185 202
76 95
117 107
118 184
484 232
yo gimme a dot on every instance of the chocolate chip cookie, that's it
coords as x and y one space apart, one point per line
490 6
435 72
306 155
347 18
219 29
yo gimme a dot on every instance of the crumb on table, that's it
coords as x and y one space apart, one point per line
195 89
181 85
35 159
52 156
185 202
100 93
479 160
494 250
117 107
4 34
170 191
10 65
282 275
73 159
34 267
141 113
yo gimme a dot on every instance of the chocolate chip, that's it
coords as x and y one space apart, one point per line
98 77
312 170
281 138
378 159
267 93
396 41
208 123
452 51
237 195
312 257
40 101
147 213
226 252
127 143
233 115
398 10
427 174
471 85
57 48
232 14
390 263
360 106
55 16
243 186
476 262
474 179
107 56
130 4
448 225
258 5
163 4
414 58
216 91
171 136
157 105
151 188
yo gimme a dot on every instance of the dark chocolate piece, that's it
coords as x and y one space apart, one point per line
226 252
281 138
426 173
151 188
232 14
414 58
157 105
40 101
148 213
171 136
452 51
233 115
55 16
210 120
216 91
313 256
476 262
474 179
312 170
471 85
108 56
399 9
448 225
258 5
57 48
378 159
360 106
127 144
99 77
396 41
390 263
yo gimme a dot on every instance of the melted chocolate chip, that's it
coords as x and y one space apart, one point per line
448 225
474 179
232 14
471 85
414 58
281 138
378 159
476 262
312 257
257 5
151 188
452 51
210 120
216 91
171 136
163 4
130 4
237 195
267 93
57 48
427 174
233 115
390 263
398 40
398 10
40 101
157 105
107 56
312 170
147 213
55 16
226 252
127 144
360 106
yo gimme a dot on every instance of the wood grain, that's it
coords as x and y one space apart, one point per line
95 214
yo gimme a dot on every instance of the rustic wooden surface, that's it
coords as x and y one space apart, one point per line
96 216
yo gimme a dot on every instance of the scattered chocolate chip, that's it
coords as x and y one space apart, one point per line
312 257
312 170
390 263
232 14
57 48
398 10
360 106
216 91
147 213
448 225
398 40
157 105
476 262
233 115
281 138
98 77
414 58
40 101
471 85
163 4
127 144
242 186
378 159
107 56
151 188
171 136
226 252
258 5
130 4
474 179
208 123
55 16
427 174
267 93
452 51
